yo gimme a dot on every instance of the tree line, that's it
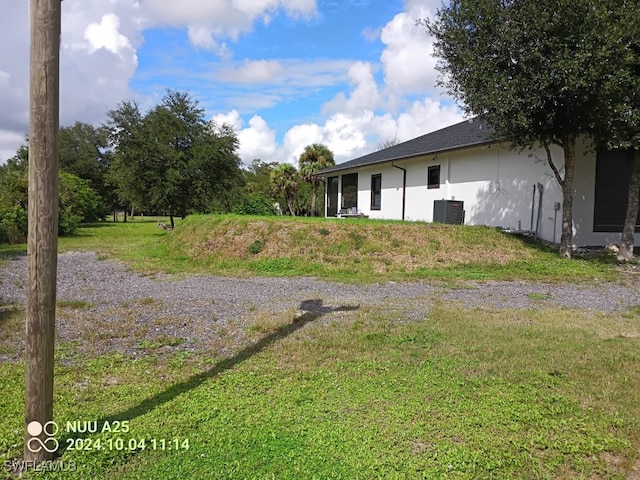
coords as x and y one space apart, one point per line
168 161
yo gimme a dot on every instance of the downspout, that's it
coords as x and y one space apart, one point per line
404 187
533 206
540 187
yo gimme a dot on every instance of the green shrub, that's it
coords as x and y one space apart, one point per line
254 204
83 200
68 221
256 247
13 224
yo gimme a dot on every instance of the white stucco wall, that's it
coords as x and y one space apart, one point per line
496 185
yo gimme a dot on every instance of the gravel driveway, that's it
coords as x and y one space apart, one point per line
105 307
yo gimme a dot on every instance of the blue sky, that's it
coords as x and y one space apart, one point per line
285 73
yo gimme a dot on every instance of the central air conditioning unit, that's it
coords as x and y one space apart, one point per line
448 211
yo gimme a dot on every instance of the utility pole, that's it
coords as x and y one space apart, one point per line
42 239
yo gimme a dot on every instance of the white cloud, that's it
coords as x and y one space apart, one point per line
14 81
294 8
385 128
99 44
296 139
100 40
257 141
348 135
113 26
251 86
365 95
220 16
9 143
426 116
318 73
97 59
343 134
371 34
202 36
209 22
14 98
285 72
259 71
232 118
409 65
106 35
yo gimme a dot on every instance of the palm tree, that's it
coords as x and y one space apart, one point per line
314 158
284 179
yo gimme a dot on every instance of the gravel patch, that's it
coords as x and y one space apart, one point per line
105 307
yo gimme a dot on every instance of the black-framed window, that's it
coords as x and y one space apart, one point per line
613 171
332 196
350 190
376 191
433 176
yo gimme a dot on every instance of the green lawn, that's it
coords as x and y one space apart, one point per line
462 393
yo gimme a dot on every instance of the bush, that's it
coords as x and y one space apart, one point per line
13 224
77 202
256 247
254 204
77 194
68 221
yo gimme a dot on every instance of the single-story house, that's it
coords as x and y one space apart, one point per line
462 174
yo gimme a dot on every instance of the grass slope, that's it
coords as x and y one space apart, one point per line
357 250
368 250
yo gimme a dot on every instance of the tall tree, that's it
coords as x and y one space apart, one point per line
215 169
172 160
83 152
126 142
258 177
314 158
533 69
284 180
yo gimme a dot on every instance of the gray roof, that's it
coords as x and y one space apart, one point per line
469 133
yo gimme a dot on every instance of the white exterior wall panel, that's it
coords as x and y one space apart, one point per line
391 202
496 185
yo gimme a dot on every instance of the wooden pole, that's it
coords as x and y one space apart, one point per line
42 239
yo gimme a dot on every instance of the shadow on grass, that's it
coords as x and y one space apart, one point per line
596 255
110 223
312 310
8 251
97 225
